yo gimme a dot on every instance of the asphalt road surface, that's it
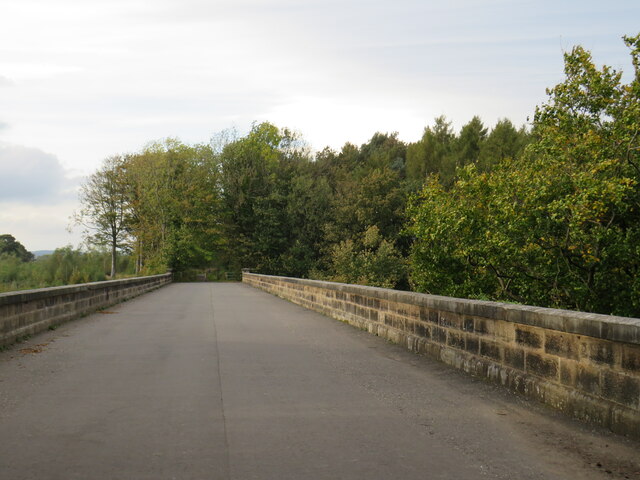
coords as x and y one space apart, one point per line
222 381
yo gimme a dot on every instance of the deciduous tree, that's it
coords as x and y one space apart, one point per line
559 226
105 212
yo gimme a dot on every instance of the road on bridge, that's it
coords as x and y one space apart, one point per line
222 381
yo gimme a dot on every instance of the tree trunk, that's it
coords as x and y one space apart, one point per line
139 257
113 259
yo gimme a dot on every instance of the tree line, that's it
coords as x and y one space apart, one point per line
544 215
264 201
558 225
20 270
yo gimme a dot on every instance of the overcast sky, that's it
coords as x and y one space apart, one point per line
84 79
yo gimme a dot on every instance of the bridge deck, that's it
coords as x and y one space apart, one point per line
221 381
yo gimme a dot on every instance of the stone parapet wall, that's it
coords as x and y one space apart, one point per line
31 311
586 365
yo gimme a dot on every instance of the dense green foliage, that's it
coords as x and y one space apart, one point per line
174 206
263 201
64 266
10 246
558 226
547 215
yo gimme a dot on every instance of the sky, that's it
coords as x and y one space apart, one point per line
81 80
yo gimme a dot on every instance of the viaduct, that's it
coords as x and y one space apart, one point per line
228 381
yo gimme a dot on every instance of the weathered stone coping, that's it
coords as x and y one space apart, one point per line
585 365
28 312
39 293
606 327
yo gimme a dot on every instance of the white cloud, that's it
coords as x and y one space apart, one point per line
33 176
27 71
37 197
39 227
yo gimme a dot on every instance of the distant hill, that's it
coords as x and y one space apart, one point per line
39 253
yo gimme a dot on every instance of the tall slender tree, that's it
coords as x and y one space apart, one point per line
105 211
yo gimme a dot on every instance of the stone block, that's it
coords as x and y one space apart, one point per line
432 350
472 344
455 340
598 351
588 379
504 331
528 337
413 311
422 330
542 365
625 421
481 326
467 324
450 320
373 303
399 322
490 349
514 357
481 368
563 345
621 388
631 358
568 371
439 335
